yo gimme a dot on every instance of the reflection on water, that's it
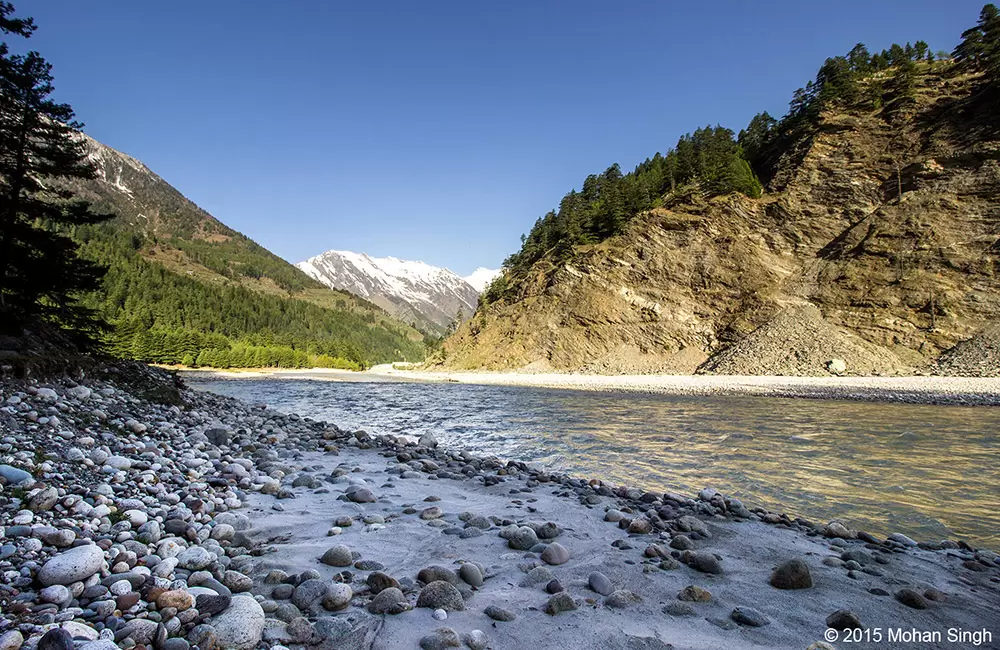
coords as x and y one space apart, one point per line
927 471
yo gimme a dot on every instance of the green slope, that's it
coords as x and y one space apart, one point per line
182 287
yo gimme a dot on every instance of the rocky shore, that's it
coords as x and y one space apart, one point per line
137 514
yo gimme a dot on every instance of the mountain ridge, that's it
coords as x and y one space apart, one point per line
182 283
430 297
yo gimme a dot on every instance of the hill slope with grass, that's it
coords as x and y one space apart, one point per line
183 287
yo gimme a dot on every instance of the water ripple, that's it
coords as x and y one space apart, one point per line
927 471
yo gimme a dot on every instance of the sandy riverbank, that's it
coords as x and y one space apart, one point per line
915 390
206 522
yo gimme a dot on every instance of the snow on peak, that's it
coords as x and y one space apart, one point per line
481 278
411 290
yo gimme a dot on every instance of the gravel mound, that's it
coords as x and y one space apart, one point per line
799 342
978 356
629 360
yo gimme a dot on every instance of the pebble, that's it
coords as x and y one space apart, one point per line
843 619
179 599
436 572
433 512
338 555
72 565
900 538
56 639
555 554
476 640
443 637
793 574
694 594
911 598
57 594
499 613
682 543
362 495
309 593
599 582
558 603
195 558
749 617
389 601
622 598
471 574
536 576
522 539
679 609
338 596
15 476
441 595
702 561
379 581
240 626
11 640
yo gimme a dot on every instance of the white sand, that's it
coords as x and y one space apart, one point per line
917 389
749 551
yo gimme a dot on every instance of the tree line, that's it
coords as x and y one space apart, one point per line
711 158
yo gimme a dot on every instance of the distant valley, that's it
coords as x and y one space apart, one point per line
431 298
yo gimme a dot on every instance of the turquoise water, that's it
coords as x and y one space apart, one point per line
927 471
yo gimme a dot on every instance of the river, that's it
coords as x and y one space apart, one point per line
929 472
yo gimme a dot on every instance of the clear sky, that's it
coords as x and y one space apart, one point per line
433 130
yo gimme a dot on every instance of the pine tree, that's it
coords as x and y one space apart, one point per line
41 274
980 46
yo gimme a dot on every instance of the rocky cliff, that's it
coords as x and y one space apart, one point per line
876 242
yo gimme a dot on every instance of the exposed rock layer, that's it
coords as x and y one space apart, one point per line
887 222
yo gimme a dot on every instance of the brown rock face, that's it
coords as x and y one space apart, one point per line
876 243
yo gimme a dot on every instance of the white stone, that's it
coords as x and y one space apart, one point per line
69 566
241 625
195 558
836 366
136 517
79 630
80 392
118 462
57 594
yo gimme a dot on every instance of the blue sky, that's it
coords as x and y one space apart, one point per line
432 130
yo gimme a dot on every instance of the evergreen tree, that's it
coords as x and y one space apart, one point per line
980 42
897 54
41 274
836 81
859 59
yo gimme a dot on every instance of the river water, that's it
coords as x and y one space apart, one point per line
930 472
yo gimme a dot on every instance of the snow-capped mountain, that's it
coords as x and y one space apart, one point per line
415 292
481 278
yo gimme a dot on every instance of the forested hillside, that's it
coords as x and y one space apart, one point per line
184 288
868 215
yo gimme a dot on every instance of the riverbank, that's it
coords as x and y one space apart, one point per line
200 520
977 391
